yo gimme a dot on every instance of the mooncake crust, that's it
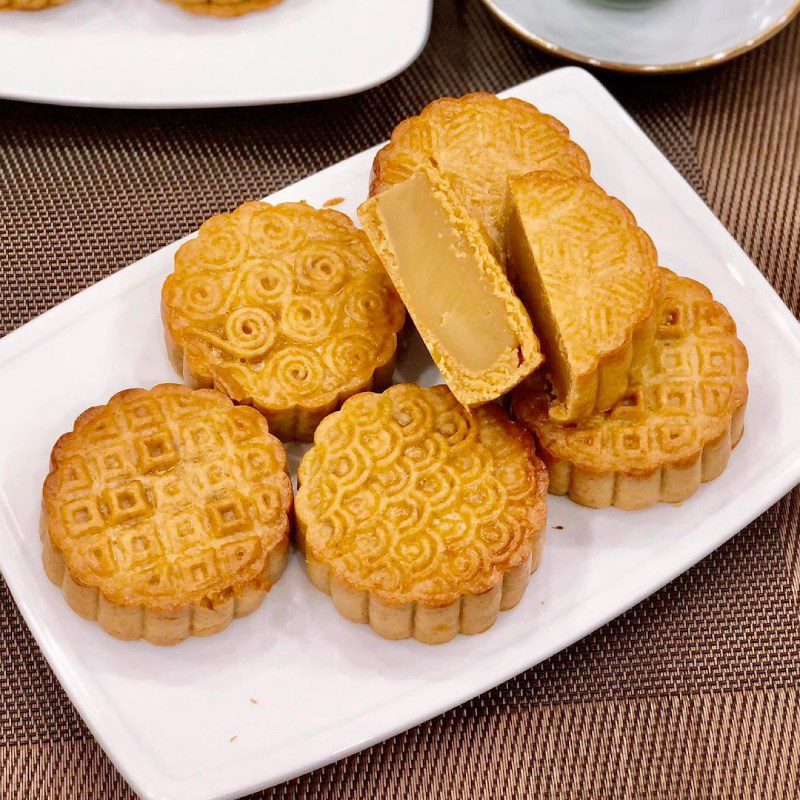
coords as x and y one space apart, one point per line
166 513
418 516
285 308
676 427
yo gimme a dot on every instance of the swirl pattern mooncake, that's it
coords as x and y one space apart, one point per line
589 277
286 308
676 425
166 513
29 5
479 141
224 8
418 516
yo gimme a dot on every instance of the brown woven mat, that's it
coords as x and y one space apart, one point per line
693 694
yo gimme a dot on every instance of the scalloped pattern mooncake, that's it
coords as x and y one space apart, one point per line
480 141
418 516
166 513
675 427
283 307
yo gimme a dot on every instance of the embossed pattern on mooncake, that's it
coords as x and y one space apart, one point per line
284 307
479 141
676 425
166 513
414 511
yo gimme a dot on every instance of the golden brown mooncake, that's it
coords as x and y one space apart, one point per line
479 140
286 308
29 5
458 295
589 277
166 513
674 428
224 8
418 516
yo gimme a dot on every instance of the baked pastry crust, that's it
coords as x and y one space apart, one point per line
675 428
420 517
286 308
589 277
29 5
513 365
166 513
480 141
224 8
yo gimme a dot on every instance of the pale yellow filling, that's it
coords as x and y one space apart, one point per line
447 291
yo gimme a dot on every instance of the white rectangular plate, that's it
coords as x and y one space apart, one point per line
326 687
152 54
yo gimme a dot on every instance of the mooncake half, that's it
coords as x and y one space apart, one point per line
419 517
674 428
455 290
589 277
166 513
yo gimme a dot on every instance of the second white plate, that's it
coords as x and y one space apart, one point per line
152 54
179 723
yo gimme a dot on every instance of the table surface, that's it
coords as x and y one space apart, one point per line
692 694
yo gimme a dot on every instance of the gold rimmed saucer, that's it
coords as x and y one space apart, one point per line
499 8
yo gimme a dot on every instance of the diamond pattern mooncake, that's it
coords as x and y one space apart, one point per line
418 516
166 513
224 8
283 307
589 277
458 295
479 140
676 425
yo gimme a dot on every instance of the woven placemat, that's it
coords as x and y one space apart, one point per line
692 694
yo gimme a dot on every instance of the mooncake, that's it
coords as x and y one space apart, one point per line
673 429
29 5
418 516
166 513
286 308
479 141
224 8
